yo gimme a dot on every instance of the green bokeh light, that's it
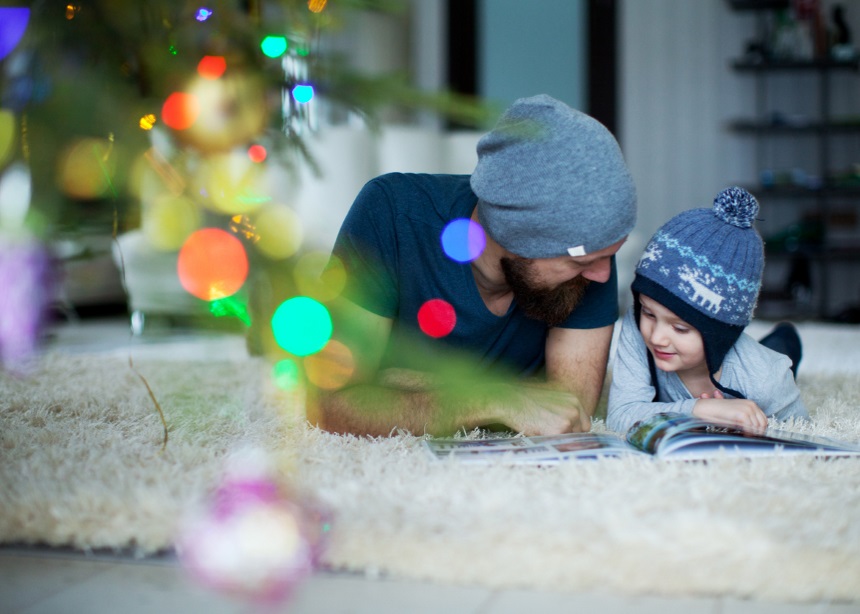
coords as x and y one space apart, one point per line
274 46
302 326
286 374
230 306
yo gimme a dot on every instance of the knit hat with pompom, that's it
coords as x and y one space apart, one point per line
705 265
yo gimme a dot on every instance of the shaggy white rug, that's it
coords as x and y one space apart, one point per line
81 465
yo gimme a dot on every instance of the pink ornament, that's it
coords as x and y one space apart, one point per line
253 540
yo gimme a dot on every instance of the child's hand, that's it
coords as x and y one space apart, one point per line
741 412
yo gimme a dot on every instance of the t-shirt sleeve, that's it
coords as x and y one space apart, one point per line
599 306
366 246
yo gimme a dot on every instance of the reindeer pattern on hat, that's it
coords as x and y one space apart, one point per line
701 283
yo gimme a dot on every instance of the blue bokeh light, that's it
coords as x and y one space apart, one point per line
463 240
13 24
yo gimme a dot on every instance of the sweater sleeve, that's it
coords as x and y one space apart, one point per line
767 377
631 393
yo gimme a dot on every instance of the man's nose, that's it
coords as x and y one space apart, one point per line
600 271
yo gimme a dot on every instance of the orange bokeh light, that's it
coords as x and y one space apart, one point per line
211 66
180 110
212 264
332 367
317 6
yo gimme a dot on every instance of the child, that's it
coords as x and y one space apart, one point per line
694 292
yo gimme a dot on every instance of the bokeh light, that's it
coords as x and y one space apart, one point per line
463 240
437 318
303 93
257 153
86 168
330 368
286 374
320 275
16 188
7 135
203 14
242 226
317 6
13 24
180 110
211 66
151 174
230 183
168 220
147 122
230 307
301 325
274 46
232 112
212 264
279 231
72 11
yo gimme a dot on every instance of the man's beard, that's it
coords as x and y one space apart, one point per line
549 305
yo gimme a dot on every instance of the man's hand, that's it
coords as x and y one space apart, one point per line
742 412
541 410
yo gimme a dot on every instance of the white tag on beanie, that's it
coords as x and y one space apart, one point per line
579 250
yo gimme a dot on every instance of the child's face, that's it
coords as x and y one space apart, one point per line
675 345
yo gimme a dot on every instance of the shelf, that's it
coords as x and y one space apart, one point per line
765 65
759 5
769 127
823 203
799 192
817 253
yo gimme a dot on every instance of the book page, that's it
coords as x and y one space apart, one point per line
684 436
546 449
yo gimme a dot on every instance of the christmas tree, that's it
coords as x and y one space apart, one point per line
165 116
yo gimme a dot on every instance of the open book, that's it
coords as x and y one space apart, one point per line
663 435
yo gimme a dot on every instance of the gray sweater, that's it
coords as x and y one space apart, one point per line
759 373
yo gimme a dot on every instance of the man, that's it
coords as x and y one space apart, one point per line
532 314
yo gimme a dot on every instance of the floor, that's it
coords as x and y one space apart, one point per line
36 580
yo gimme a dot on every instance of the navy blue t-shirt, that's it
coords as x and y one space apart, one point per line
390 245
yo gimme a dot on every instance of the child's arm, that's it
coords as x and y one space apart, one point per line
742 412
765 378
631 394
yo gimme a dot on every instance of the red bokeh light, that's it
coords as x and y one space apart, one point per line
257 153
437 318
211 66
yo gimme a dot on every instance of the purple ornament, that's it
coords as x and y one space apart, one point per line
28 280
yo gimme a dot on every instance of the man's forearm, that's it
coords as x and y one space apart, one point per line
370 409
378 410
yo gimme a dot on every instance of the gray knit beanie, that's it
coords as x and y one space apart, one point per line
551 181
